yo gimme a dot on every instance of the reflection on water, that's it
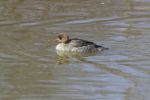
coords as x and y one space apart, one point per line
31 70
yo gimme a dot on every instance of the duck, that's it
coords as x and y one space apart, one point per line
76 45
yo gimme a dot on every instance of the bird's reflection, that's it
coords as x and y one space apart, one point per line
64 57
62 60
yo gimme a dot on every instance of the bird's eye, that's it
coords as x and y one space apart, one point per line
60 37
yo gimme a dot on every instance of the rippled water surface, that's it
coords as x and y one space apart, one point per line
31 70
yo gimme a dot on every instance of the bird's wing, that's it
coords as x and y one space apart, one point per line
79 42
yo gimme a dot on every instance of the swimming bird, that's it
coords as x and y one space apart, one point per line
67 44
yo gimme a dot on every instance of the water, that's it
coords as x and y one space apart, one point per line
31 70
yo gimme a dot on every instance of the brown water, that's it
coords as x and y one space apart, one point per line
31 70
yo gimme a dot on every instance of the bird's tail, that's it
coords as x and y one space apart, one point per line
101 48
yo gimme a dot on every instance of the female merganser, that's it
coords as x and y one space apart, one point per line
76 45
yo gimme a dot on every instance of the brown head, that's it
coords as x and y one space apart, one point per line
62 38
